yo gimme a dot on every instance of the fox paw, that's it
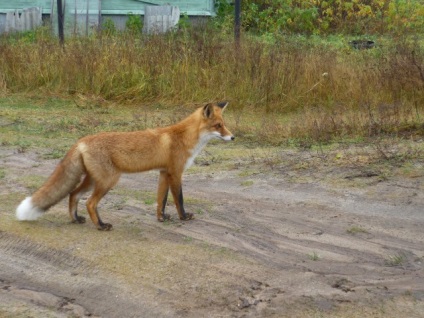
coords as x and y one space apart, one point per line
187 217
79 219
164 217
104 227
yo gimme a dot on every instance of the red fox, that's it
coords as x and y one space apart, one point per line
103 157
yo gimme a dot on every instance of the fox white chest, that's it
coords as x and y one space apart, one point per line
204 139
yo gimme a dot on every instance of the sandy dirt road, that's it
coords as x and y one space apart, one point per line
322 241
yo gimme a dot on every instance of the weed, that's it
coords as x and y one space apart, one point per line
207 158
149 201
23 145
119 204
247 173
2 174
109 27
394 260
247 183
355 230
54 154
314 256
188 239
134 24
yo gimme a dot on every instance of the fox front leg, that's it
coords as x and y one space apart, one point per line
177 194
179 202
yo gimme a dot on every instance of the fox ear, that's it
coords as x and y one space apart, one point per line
222 105
208 111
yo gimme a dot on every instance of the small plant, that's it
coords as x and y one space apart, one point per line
247 183
54 154
355 230
134 24
23 146
188 239
149 201
314 256
119 204
2 174
394 260
109 27
184 22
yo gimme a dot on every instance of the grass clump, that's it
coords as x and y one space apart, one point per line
247 183
314 256
356 230
394 260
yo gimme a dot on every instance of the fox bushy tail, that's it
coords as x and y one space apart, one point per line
62 181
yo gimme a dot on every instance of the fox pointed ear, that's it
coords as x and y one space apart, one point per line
222 105
208 111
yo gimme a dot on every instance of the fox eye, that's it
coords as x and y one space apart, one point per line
217 126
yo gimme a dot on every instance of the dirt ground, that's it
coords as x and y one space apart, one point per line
285 234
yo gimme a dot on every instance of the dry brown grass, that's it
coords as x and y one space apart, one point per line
300 91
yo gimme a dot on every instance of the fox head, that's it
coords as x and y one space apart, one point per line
214 123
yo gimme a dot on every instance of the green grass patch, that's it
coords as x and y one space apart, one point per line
247 183
356 230
149 201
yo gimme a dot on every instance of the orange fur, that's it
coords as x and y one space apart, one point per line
103 157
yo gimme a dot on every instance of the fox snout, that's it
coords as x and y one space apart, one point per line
228 138
225 134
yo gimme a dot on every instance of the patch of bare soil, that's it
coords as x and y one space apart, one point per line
333 241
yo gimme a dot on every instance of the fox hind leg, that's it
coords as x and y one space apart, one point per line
75 196
162 198
100 190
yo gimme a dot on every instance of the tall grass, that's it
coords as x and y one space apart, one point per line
299 89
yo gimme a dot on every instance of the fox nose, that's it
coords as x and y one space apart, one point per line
232 137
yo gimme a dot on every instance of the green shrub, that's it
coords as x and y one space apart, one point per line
134 24
109 27
328 16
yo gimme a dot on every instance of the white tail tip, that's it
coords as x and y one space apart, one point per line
26 211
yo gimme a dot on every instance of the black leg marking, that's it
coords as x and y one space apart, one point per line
78 219
103 226
181 201
186 216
